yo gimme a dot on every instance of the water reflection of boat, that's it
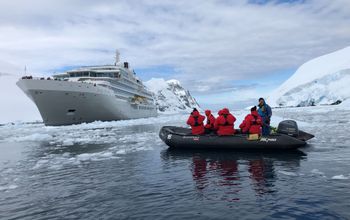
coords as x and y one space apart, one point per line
235 171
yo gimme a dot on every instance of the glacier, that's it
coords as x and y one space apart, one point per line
320 81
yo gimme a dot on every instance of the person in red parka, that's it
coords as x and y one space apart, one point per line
209 127
225 123
252 123
196 122
219 113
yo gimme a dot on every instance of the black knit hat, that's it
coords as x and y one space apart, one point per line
253 109
261 99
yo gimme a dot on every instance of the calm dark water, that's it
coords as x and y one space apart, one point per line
122 170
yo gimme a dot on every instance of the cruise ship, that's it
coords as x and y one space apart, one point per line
87 94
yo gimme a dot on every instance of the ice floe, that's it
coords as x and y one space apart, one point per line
340 177
287 173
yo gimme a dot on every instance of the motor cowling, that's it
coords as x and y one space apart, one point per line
288 127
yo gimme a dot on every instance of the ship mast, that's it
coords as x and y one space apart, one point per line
117 57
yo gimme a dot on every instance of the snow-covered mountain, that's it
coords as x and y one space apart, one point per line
170 96
323 80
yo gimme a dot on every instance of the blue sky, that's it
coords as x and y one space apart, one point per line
218 49
263 2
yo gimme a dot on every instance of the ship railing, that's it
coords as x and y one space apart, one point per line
43 78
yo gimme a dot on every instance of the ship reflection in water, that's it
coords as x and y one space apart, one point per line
236 176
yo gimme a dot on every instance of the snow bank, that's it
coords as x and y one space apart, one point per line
322 80
15 105
346 103
170 96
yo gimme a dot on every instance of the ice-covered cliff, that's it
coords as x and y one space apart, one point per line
170 96
323 80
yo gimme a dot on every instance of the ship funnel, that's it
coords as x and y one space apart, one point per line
126 65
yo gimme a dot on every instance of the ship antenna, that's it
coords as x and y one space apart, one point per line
117 57
25 69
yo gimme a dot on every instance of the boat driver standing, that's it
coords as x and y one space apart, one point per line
265 113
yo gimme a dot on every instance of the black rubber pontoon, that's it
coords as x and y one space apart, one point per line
178 137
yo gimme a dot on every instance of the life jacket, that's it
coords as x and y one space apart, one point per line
196 123
254 121
210 120
226 121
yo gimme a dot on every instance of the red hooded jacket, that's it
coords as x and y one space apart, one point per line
210 120
196 122
252 123
225 123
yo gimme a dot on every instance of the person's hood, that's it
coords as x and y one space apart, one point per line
195 114
263 102
220 112
225 111
207 112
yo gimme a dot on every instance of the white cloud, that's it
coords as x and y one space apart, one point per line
211 43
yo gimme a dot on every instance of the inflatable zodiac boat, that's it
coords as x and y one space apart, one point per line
287 137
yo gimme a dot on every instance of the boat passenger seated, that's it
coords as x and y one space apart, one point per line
209 127
252 123
195 120
225 123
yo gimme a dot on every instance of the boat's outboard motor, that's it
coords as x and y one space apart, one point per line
288 127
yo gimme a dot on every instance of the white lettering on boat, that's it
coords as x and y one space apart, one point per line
169 136
268 140
195 138
190 137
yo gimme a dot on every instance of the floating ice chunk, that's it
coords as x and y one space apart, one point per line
9 187
106 154
84 157
68 142
40 163
121 151
33 137
288 173
7 170
316 171
66 154
340 177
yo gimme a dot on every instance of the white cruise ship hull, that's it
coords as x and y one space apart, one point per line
65 102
